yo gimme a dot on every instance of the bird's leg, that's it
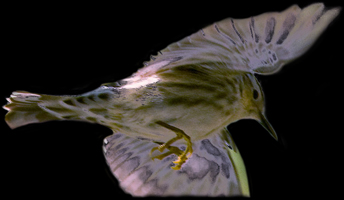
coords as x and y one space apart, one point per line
172 150
182 155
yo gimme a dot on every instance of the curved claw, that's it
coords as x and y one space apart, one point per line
153 149
182 159
172 150
177 167
182 155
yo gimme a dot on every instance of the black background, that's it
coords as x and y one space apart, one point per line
71 49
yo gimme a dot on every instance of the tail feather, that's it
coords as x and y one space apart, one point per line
26 108
23 108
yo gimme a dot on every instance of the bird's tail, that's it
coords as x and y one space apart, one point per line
24 108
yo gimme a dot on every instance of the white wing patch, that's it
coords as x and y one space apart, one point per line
137 82
210 171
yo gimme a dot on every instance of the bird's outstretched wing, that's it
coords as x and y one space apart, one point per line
214 169
260 44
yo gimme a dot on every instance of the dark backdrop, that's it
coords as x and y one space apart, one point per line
71 49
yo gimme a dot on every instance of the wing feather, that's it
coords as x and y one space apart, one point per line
214 169
260 44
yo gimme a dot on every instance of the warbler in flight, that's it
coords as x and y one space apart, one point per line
169 118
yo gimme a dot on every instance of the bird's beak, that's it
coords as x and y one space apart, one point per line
266 124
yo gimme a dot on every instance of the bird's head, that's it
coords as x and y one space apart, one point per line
253 102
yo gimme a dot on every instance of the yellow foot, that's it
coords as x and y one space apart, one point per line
182 155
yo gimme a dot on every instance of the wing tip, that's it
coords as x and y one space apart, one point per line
334 10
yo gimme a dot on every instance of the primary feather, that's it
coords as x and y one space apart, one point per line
215 169
260 44
198 85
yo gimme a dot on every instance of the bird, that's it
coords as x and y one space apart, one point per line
169 118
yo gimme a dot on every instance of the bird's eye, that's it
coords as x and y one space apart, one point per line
255 94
